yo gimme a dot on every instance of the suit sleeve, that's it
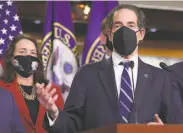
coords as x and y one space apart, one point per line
178 77
17 125
71 119
172 104
177 100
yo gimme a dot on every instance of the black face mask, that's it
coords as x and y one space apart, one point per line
125 41
25 66
109 44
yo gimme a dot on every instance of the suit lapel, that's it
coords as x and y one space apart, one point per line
13 87
40 116
106 74
143 84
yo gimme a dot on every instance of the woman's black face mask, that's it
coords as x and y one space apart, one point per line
25 66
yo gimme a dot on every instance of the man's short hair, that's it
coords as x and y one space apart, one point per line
141 20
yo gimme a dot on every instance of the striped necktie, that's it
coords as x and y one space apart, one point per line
126 93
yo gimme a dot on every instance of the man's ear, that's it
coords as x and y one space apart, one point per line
142 33
102 38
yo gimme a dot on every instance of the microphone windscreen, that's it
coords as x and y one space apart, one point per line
132 64
163 65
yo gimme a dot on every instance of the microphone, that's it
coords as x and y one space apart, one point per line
133 86
132 64
164 66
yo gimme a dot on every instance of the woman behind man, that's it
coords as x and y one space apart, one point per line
22 69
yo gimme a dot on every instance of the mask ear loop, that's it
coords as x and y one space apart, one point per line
138 30
111 41
139 40
107 40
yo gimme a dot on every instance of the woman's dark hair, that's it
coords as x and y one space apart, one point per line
9 73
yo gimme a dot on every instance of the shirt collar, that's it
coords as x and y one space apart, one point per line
116 58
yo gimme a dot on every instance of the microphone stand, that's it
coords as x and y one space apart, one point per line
133 86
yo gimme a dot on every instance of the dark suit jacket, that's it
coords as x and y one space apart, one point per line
177 76
30 127
10 121
93 100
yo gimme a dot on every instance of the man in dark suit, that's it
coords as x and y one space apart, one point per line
122 89
177 77
10 121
